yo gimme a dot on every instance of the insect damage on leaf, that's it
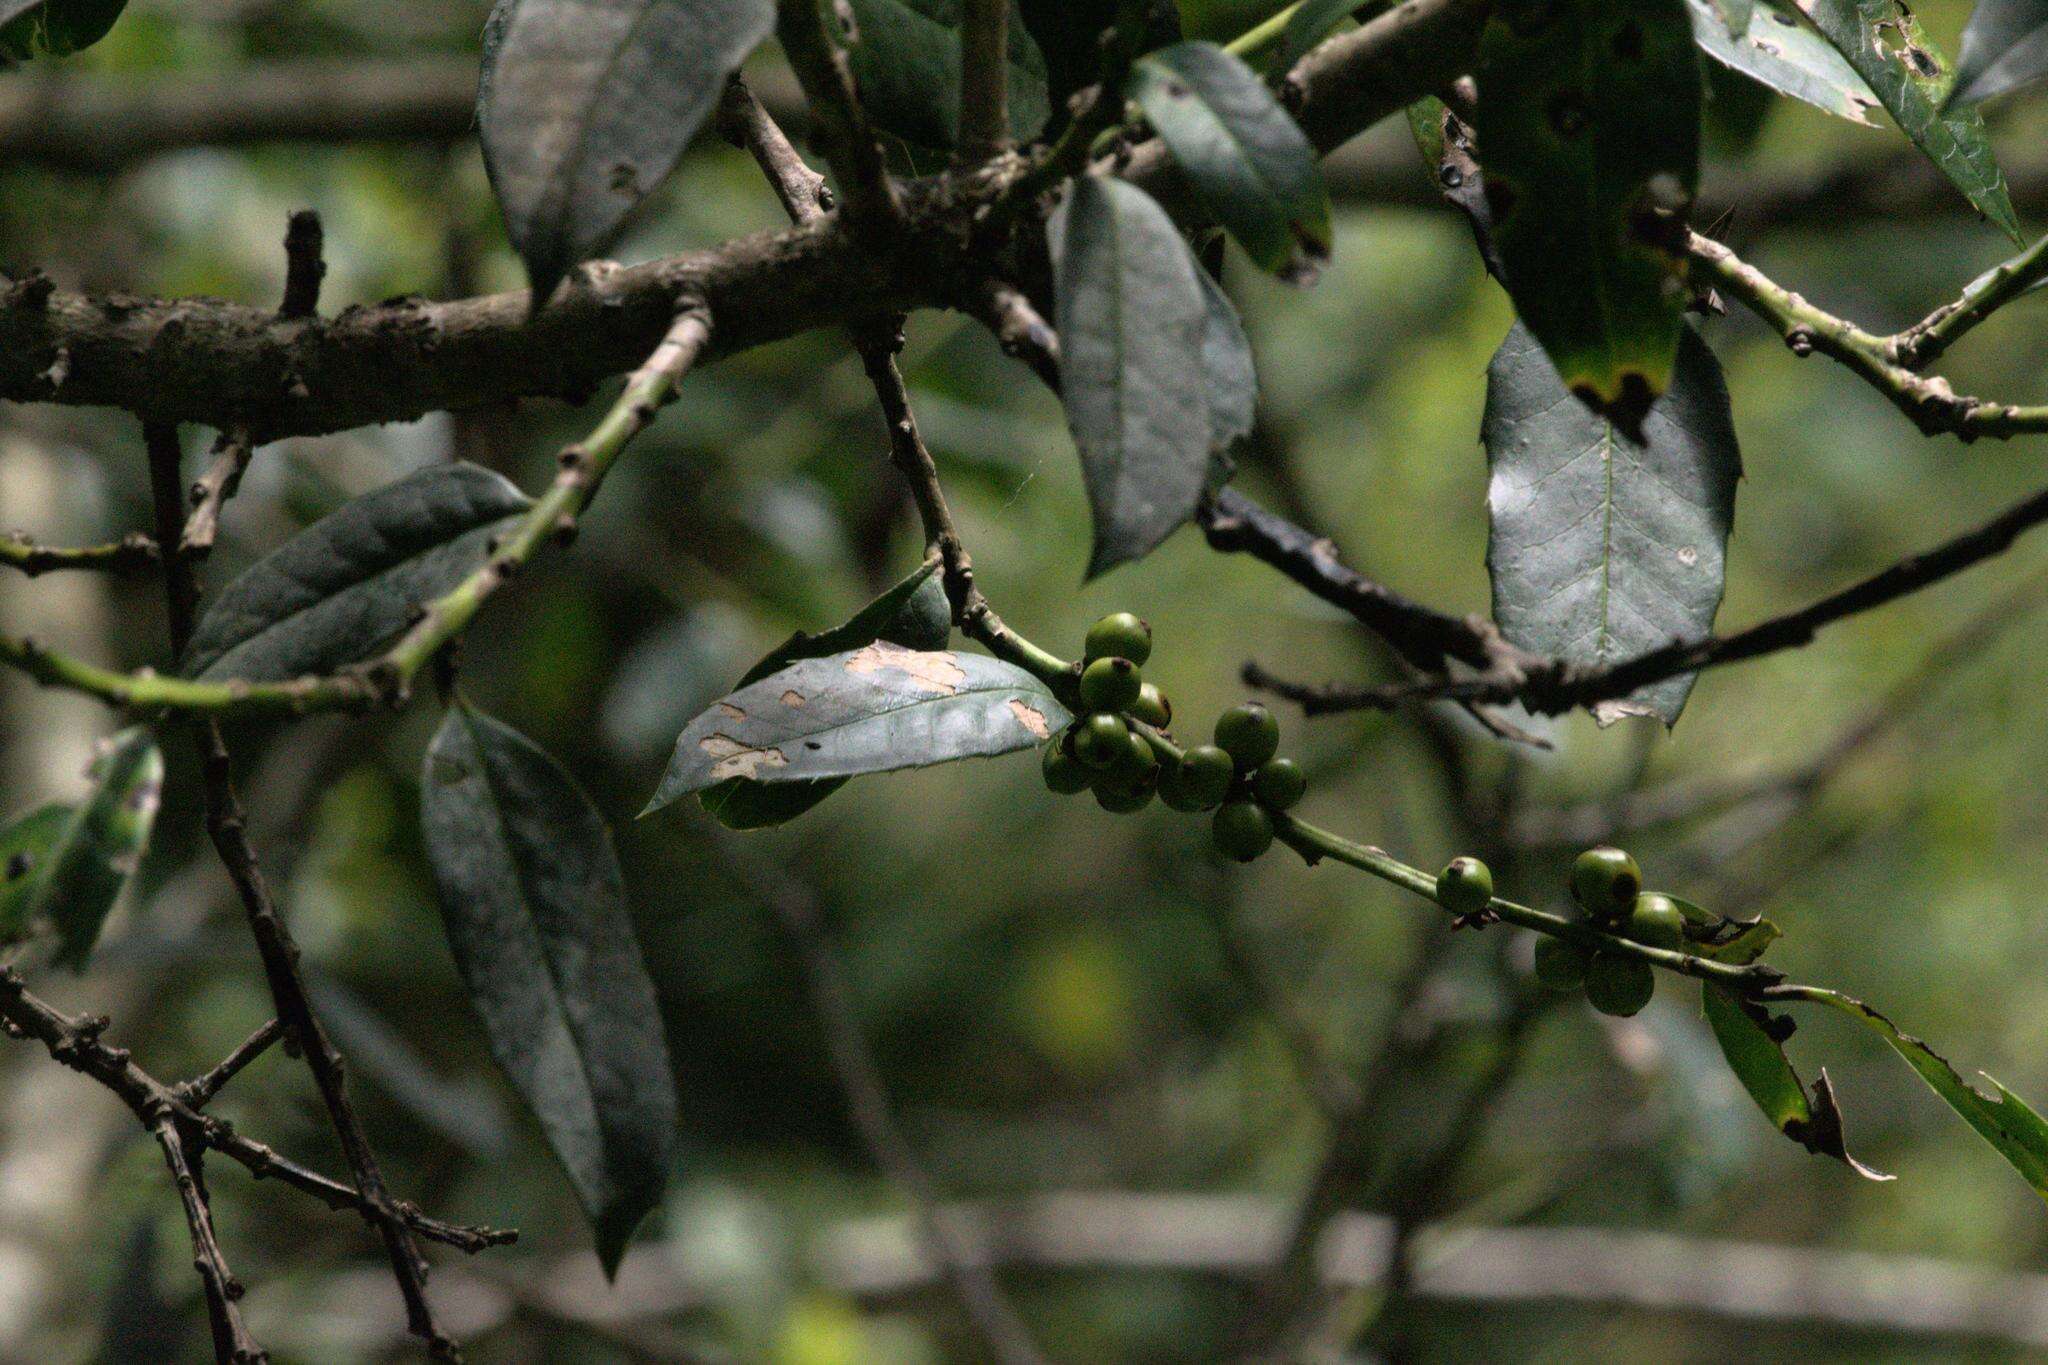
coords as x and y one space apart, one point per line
1031 718
939 674
739 760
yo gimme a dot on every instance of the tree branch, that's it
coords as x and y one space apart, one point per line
818 59
984 81
130 552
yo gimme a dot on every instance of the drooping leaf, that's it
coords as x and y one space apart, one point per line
53 28
1069 33
99 846
874 710
585 106
534 906
908 64
25 849
354 579
2005 47
1752 1041
1314 21
1605 545
914 614
1131 320
1446 146
2004 1120
1232 374
1886 45
1777 48
1589 137
1251 165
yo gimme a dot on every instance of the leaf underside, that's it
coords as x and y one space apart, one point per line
100 846
1778 49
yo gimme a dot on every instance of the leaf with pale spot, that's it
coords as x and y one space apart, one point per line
25 849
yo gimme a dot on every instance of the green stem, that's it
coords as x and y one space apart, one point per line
1923 342
129 552
1261 38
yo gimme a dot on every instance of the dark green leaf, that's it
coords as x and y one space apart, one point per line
353 580
1604 545
1589 136
2004 48
1069 34
100 845
1308 26
24 854
585 106
874 710
534 906
53 28
1131 320
1778 49
1232 374
914 614
908 65
2004 1120
1749 1038
1253 168
1886 45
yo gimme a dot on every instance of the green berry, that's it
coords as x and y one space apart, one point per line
1152 707
1242 829
1279 783
1657 921
1249 734
1560 966
1064 773
1463 887
1110 684
1137 763
1101 740
1619 985
1123 799
1606 882
1119 635
1199 781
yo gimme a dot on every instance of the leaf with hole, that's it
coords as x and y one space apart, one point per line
24 854
1884 42
1589 137
1248 161
96 853
1605 545
355 579
914 614
908 64
1132 322
585 106
2005 46
1751 1039
1776 48
534 906
877 709
53 28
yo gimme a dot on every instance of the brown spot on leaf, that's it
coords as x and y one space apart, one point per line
731 712
938 673
739 760
1031 718
793 698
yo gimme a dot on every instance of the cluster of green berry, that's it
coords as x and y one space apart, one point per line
1103 751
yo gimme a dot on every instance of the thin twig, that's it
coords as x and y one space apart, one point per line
818 59
212 489
984 81
129 553
231 1338
305 268
197 1091
1924 342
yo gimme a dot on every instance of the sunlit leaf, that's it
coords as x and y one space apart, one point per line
100 846
908 64
1751 1038
1778 49
2004 48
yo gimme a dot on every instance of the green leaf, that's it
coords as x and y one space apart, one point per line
2005 47
1750 1038
1605 545
1777 48
1722 939
1131 321
100 845
53 28
534 906
914 614
2003 1119
874 710
908 64
1446 145
353 580
586 105
1589 136
1069 34
1885 44
1735 15
1306 27
1249 162
24 855
1232 374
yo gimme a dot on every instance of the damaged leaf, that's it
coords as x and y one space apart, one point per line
1719 938
1776 48
24 854
876 709
2005 47
1752 1041
100 846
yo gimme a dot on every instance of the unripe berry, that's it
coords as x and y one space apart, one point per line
1279 783
1119 635
1619 985
1199 781
1464 886
1657 921
1110 684
1560 966
1606 882
1101 740
1123 799
1063 772
1137 763
1242 829
1152 707
1249 734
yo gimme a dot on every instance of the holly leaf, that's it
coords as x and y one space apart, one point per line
96 852
878 709
1132 322
908 64
25 848
534 906
1886 45
585 106
2005 46
53 28
355 579
1777 49
1589 137
1252 167
914 614
1751 1038
1605 544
